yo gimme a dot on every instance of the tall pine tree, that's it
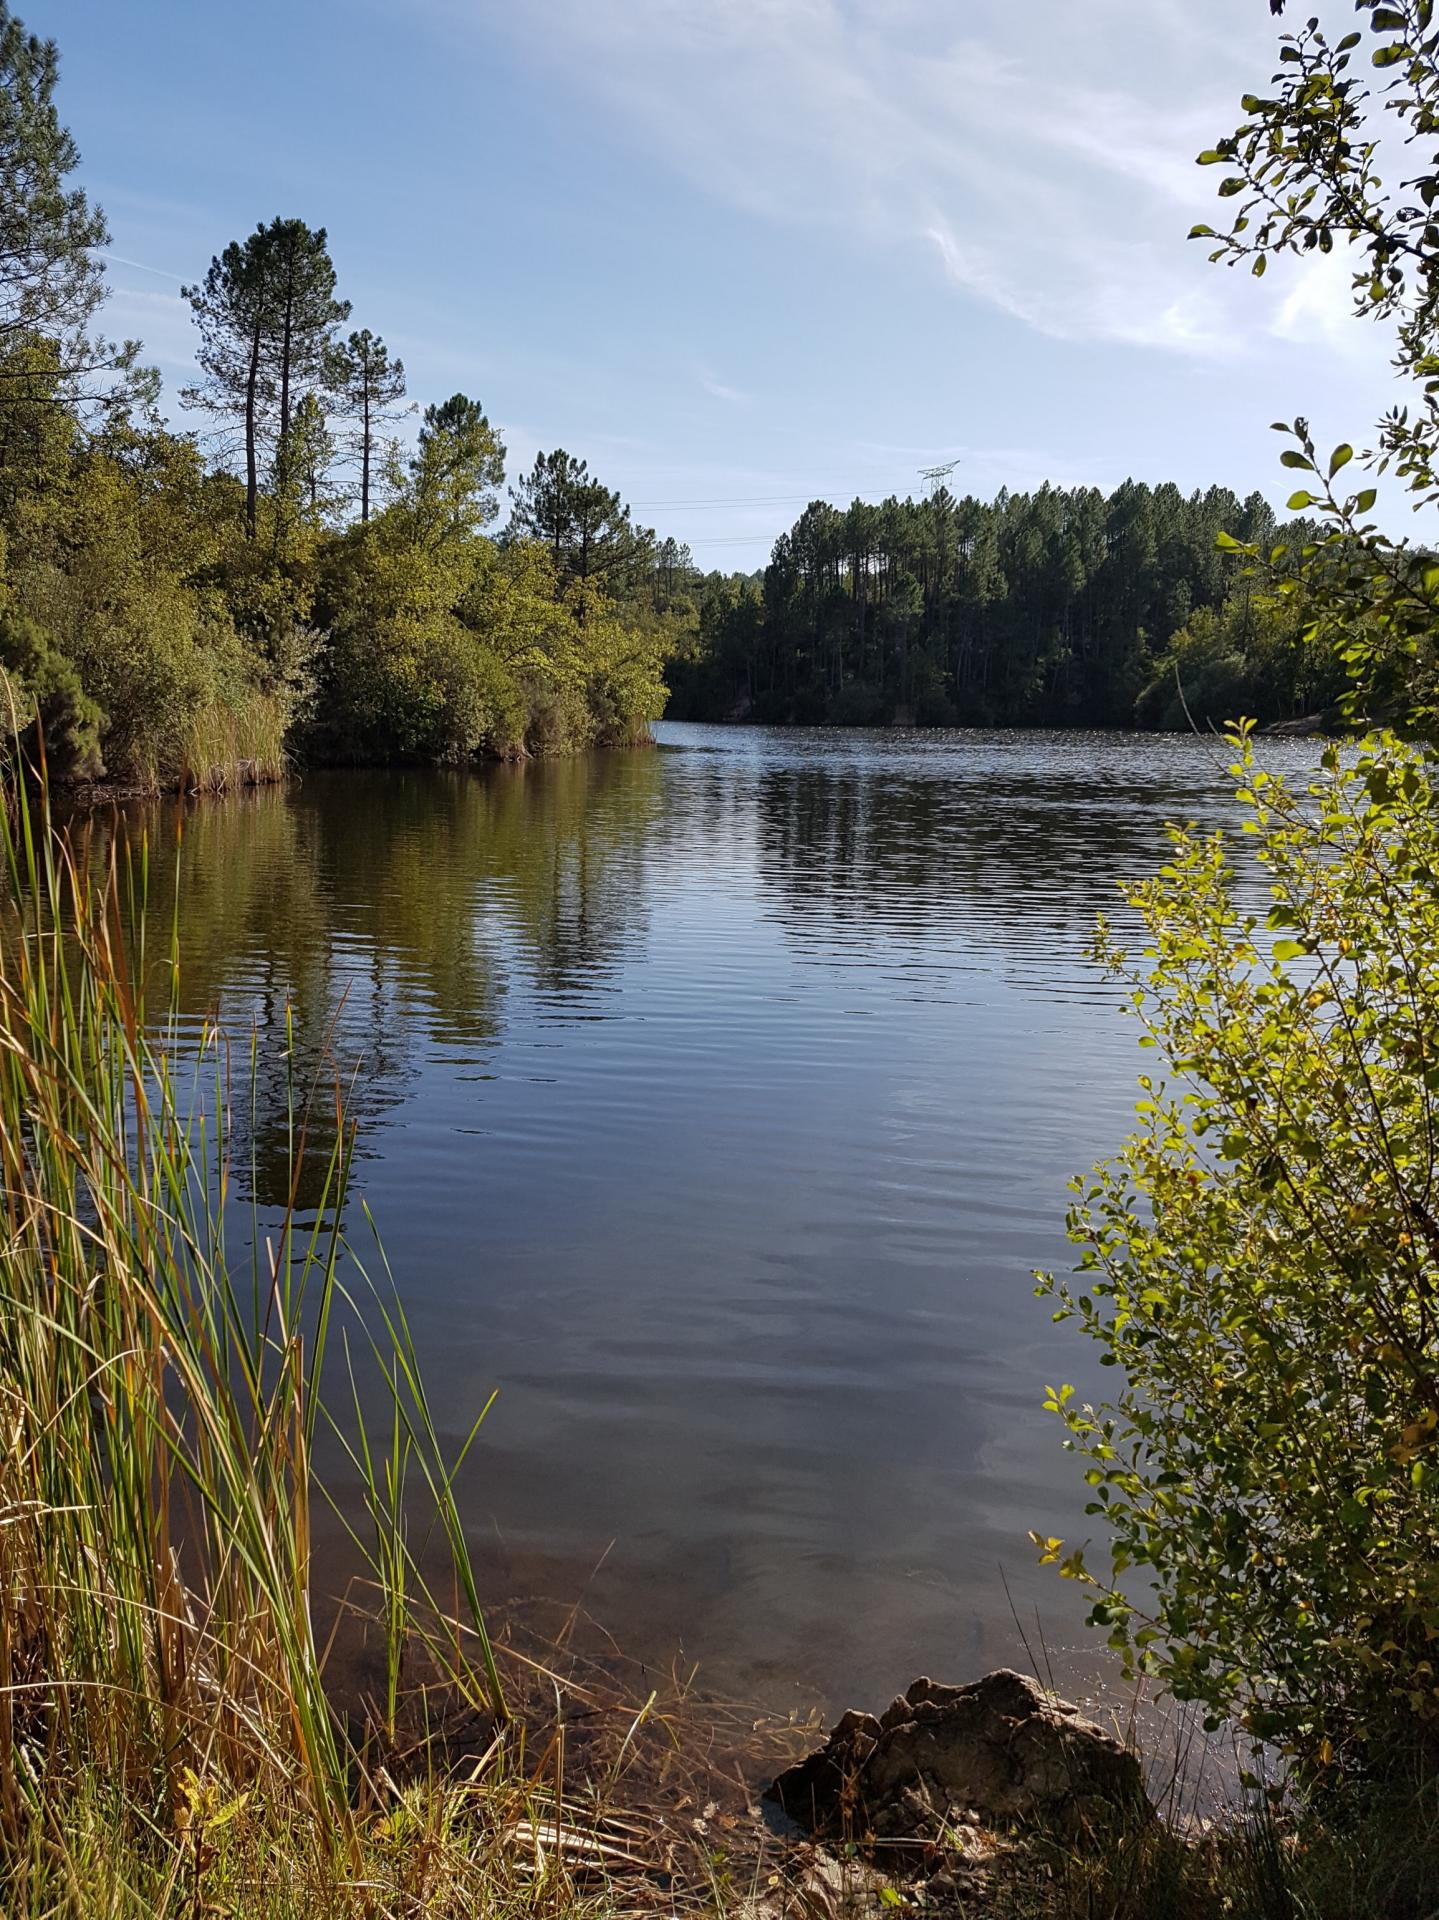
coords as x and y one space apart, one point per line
367 386
266 311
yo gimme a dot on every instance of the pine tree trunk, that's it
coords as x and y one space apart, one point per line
365 460
252 472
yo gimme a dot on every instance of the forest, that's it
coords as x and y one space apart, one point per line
1054 608
294 577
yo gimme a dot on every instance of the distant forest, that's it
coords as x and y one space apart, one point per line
1054 608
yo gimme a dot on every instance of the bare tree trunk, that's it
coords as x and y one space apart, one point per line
365 457
252 470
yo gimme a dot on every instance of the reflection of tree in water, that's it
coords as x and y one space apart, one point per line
571 838
1023 858
386 912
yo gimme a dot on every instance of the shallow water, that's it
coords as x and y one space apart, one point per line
717 1103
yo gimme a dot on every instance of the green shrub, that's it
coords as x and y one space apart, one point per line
44 684
1261 1263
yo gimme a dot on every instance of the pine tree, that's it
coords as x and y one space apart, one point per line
457 471
584 524
51 283
368 387
266 311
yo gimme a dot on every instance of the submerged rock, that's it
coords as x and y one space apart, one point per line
1000 1752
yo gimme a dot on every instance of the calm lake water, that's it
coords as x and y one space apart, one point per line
717 1103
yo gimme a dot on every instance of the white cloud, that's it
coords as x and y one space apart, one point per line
1041 155
1318 309
718 390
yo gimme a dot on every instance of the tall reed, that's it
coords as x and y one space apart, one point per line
161 1363
237 742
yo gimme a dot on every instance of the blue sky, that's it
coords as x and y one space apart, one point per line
740 253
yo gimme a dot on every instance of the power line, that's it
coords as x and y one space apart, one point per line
730 539
742 539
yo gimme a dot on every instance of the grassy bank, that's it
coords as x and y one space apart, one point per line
168 1741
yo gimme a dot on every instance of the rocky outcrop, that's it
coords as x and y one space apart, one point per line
1001 1752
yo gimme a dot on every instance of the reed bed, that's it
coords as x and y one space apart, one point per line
235 743
161 1407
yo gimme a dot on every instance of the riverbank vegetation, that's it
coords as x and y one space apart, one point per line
193 609
159 1667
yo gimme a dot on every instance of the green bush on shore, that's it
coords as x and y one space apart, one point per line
1260 1264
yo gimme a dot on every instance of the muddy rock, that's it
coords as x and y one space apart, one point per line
1001 1752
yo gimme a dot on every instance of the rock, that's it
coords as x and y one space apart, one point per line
1001 1752
1301 729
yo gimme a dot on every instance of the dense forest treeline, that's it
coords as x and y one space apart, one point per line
291 576
1061 607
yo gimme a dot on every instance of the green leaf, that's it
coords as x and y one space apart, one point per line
1364 502
1260 263
1297 502
1291 457
1210 157
1340 457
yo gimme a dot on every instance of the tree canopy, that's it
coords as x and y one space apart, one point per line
1061 607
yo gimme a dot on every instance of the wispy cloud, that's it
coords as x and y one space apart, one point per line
1042 159
161 320
718 390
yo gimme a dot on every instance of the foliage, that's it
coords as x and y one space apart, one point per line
179 625
1053 608
109 557
51 285
35 678
1263 1256
584 524
1248 656
1263 1250
452 487
367 387
265 310
1303 170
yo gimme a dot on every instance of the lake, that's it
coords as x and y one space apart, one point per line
717 1103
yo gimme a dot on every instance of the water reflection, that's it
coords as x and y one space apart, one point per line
716 1104
385 915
